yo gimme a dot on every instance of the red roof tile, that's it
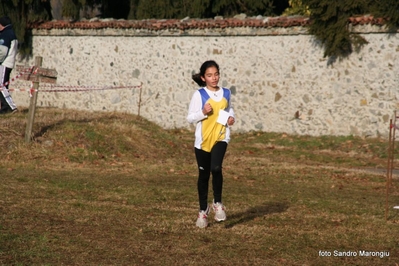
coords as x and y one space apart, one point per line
162 24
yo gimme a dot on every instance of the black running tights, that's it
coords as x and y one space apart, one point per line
210 162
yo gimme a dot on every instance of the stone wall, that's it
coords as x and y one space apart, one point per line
279 78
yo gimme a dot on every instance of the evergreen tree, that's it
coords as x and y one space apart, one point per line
159 9
118 9
229 8
201 9
296 7
71 9
76 9
388 9
329 22
133 9
183 8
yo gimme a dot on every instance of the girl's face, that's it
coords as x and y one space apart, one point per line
211 77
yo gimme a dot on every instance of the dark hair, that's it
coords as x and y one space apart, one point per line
4 21
204 67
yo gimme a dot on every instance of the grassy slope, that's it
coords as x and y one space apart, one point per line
115 189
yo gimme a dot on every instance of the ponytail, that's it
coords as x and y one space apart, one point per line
198 80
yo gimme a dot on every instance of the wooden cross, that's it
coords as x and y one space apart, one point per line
36 74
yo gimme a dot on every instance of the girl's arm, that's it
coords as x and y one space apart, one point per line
195 113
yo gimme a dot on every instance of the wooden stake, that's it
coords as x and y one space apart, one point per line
393 149
140 100
32 104
388 169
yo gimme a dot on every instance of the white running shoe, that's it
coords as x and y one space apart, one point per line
202 220
220 214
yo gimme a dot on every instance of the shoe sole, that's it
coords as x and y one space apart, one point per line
202 226
220 220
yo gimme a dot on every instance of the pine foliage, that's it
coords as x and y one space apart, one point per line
199 9
388 9
154 9
204 8
249 7
71 9
117 9
296 7
329 22
330 25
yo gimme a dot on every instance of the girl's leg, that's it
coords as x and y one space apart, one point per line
217 155
7 103
203 162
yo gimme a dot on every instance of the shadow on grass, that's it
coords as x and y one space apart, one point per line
256 211
44 129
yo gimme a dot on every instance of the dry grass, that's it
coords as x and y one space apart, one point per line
115 189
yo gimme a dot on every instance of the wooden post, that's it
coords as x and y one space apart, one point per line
388 169
140 100
393 149
32 104
391 155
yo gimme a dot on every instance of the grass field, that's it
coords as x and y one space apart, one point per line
115 189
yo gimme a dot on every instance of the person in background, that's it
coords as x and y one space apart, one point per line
8 53
211 111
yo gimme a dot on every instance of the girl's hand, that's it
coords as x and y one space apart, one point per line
207 109
230 121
